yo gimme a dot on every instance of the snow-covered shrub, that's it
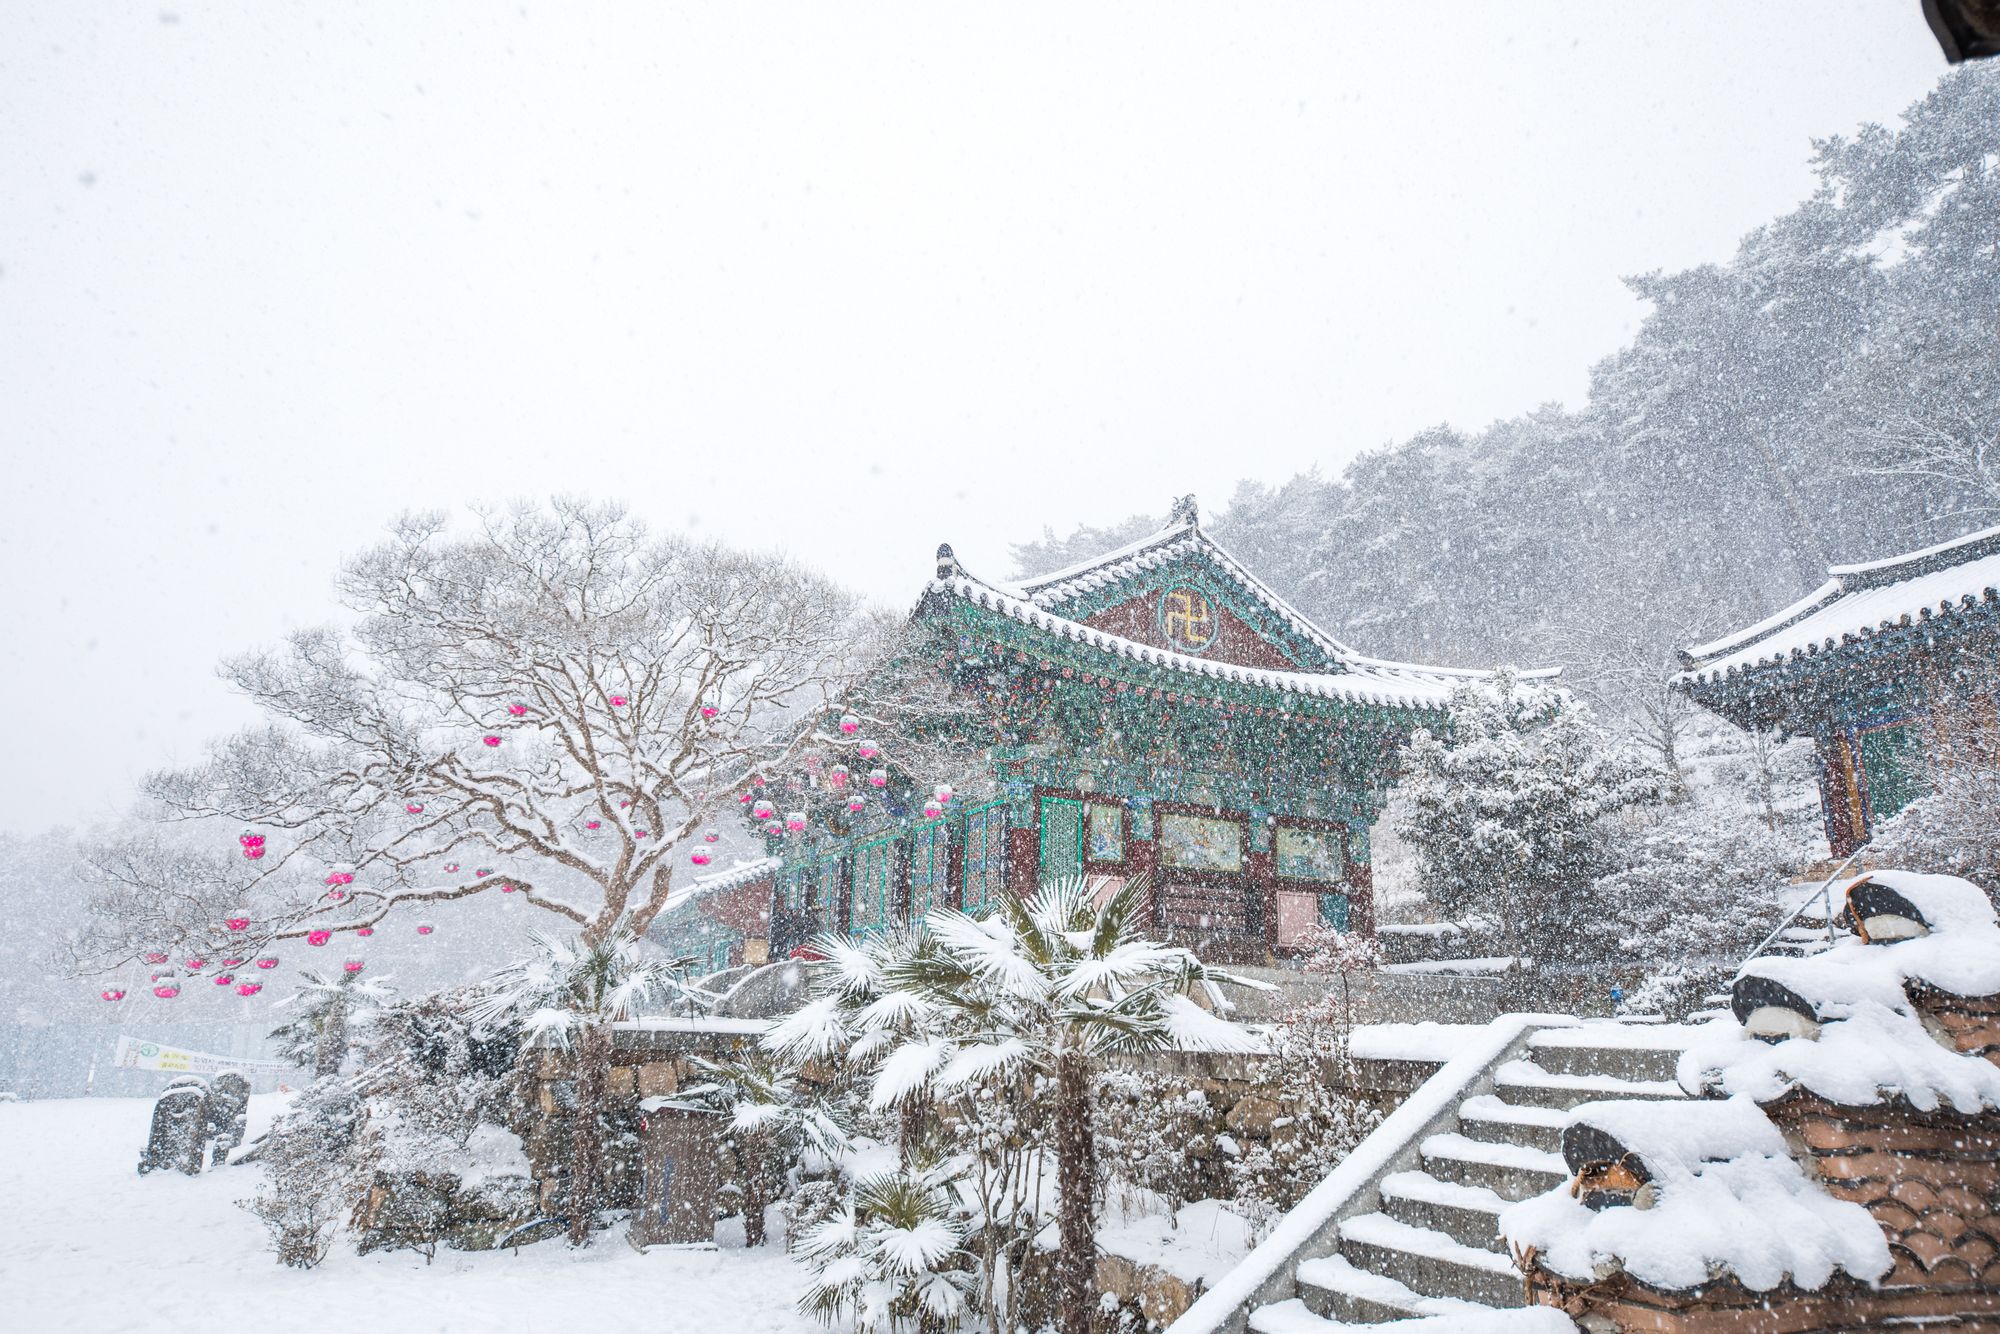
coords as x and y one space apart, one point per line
890 1257
1324 1118
316 1168
1951 829
1152 1131
1509 811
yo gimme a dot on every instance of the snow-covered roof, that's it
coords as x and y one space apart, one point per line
1857 602
740 874
1728 1200
1395 684
1871 1042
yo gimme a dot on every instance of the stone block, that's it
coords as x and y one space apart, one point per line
623 1081
658 1079
1253 1117
1163 1297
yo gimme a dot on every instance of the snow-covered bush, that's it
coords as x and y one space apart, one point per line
1153 1129
1324 1118
1698 892
315 1171
890 1258
1951 829
1509 811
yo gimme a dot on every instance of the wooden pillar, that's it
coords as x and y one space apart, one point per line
901 853
1143 858
1260 873
956 834
843 904
1024 855
1361 898
1840 795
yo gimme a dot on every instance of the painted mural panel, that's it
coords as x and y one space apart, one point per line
1105 840
1200 843
1311 854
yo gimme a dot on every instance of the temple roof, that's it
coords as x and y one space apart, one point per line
1856 603
1045 603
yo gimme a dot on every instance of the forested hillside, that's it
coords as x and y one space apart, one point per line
1829 394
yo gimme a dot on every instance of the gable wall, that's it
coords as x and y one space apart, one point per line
1235 641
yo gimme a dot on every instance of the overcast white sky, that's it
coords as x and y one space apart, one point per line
849 279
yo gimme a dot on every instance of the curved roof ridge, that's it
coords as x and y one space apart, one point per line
1868 574
1126 552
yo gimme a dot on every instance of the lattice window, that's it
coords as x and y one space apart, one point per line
985 856
930 863
874 887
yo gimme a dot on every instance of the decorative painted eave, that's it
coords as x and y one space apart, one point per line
1858 605
741 874
1392 685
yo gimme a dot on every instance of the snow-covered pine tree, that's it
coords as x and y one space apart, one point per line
1507 812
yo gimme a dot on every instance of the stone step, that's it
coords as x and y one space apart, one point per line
1469 1215
1511 1171
1485 1117
1331 1288
1636 1063
1529 1084
1429 1261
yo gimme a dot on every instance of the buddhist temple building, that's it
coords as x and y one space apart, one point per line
1156 710
1890 667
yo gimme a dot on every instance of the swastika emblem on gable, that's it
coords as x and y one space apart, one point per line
1187 619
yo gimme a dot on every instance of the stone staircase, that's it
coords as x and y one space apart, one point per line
1421 1238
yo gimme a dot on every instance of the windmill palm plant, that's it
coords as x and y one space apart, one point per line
566 996
321 1015
774 1117
1038 990
891 1258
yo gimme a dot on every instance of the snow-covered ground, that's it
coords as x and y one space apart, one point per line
92 1247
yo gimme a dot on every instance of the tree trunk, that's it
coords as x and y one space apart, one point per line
586 1168
1076 1187
331 1052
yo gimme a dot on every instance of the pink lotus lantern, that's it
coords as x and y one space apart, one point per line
112 994
837 776
318 937
425 928
195 965
591 824
518 710
709 836
857 803
340 878
351 966
746 798
248 988
491 740
699 857
617 701
483 872
774 826
869 750
253 844
624 805
944 793
795 821
336 895
167 990
451 868
639 833
932 810
709 711
763 810
238 920
364 930
850 724
878 777
267 962
756 780
232 963
507 887
223 979
414 807
155 956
